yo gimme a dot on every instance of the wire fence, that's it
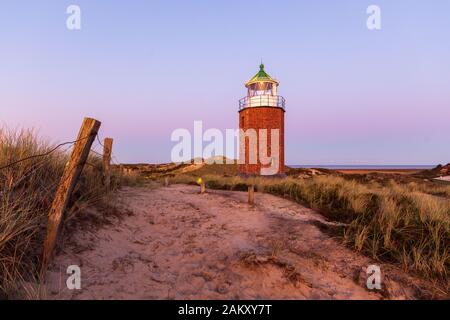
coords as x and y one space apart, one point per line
57 147
11 177
44 171
114 160
42 154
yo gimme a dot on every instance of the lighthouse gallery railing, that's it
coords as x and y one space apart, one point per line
262 101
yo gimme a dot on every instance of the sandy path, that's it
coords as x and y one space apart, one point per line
178 244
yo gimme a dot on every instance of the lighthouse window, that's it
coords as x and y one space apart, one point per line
260 88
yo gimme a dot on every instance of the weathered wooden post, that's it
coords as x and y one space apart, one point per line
67 183
202 187
166 181
107 150
251 194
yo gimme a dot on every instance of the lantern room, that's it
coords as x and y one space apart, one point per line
262 90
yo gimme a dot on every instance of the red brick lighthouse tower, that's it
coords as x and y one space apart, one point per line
261 112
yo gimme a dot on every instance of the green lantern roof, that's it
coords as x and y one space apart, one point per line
261 76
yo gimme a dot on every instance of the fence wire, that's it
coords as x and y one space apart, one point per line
28 173
114 160
42 154
10 180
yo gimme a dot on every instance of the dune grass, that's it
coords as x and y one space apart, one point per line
26 192
396 223
441 190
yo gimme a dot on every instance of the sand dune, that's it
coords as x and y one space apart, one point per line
178 244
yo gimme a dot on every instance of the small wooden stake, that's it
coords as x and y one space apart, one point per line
166 181
251 194
202 187
107 150
67 183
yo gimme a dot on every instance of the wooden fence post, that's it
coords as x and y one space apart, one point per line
202 187
107 150
69 179
251 194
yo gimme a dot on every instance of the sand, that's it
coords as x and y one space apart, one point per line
178 244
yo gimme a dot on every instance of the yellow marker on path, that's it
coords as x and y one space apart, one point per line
202 185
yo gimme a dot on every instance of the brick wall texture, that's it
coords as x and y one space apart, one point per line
262 118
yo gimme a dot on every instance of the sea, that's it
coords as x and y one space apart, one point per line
365 167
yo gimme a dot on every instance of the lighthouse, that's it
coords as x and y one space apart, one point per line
261 124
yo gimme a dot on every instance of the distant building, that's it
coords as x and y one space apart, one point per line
262 108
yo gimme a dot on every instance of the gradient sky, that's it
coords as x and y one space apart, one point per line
145 68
